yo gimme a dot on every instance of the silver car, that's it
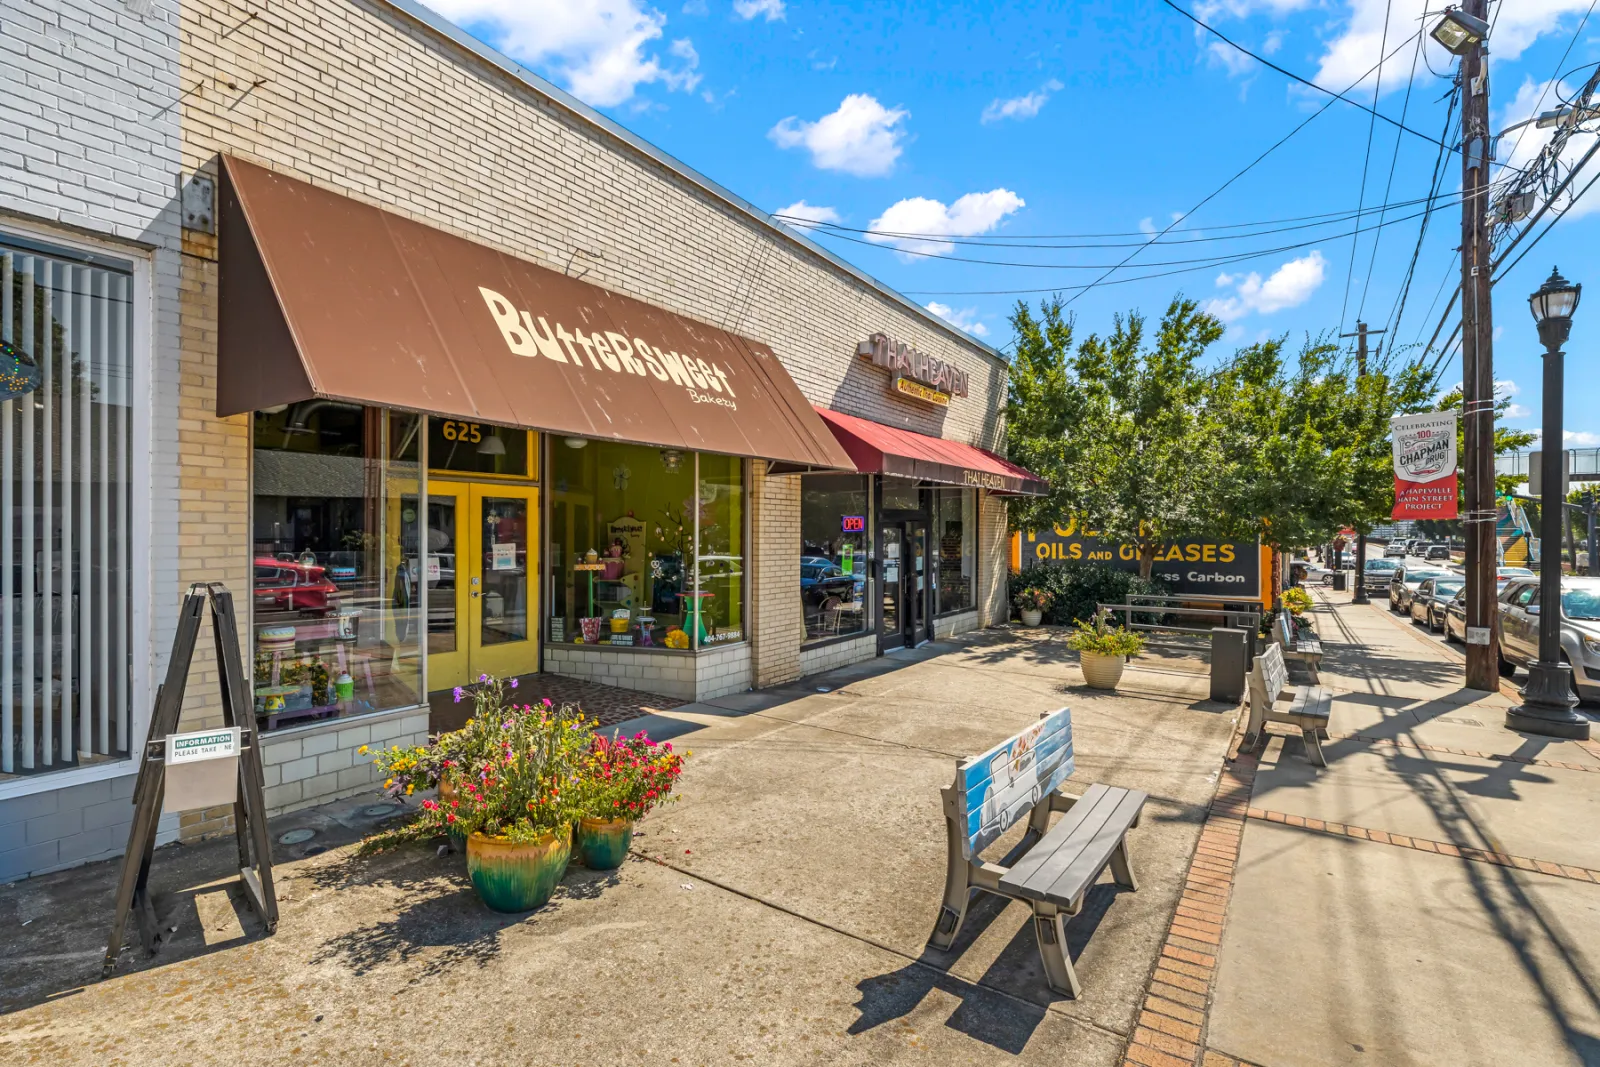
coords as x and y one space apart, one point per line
1518 638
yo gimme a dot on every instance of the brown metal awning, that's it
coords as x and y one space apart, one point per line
323 296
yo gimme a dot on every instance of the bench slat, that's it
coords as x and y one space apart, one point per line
1077 848
1091 860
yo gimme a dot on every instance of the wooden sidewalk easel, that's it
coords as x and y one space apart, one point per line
249 807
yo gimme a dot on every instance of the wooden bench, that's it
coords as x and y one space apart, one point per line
1051 868
1309 709
1306 648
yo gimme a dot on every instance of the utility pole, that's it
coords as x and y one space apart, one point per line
1477 361
1361 539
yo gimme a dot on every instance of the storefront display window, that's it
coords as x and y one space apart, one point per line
901 495
623 553
337 569
835 554
66 557
955 529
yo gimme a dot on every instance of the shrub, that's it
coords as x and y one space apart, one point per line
1098 635
1076 587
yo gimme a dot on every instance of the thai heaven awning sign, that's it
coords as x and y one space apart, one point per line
1424 465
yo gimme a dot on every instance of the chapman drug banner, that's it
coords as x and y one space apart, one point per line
1226 568
1424 465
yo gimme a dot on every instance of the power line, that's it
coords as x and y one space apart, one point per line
1554 77
1548 227
1230 42
1030 240
1398 311
1366 160
1237 175
1388 188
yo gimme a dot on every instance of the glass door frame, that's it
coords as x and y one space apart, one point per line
898 518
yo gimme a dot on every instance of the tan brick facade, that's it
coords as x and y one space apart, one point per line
357 97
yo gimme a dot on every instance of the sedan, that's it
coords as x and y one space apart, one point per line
1438 552
1403 586
1520 610
1455 617
1395 550
1428 603
1505 574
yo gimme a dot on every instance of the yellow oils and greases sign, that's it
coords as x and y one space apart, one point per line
1229 568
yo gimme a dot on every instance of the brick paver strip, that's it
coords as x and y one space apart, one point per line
1419 844
1367 739
1171 1027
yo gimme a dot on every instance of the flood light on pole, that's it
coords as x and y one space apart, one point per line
1459 32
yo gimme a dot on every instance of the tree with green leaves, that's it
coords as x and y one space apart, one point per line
1113 423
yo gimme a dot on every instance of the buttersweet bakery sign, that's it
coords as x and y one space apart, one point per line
915 373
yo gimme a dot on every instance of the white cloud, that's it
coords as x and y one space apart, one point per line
749 9
862 137
1517 411
599 49
1574 438
1520 147
696 7
1504 387
1289 286
1021 107
971 215
804 216
962 318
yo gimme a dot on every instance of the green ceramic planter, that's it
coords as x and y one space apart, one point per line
512 876
603 843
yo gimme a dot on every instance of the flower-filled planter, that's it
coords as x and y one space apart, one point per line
623 779
512 874
1104 649
1031 604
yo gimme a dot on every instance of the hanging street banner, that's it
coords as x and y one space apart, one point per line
1186 567
1424 465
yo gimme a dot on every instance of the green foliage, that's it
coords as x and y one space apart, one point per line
1099 636
1076 587
1297 600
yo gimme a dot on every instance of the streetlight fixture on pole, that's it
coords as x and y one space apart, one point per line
1548 700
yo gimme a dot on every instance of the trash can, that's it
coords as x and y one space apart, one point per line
1338 581
1230 663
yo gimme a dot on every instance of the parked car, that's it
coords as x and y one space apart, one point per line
1395 550
285 586
822 580
1375 579
1428 602
1505 574
1519 613
1437 552
1455 617
1403 585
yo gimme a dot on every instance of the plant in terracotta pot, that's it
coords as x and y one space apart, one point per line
623 779
517 805
1031 603
1103 649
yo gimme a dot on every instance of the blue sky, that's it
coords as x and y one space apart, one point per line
973 127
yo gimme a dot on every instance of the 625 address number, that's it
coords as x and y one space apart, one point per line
470 432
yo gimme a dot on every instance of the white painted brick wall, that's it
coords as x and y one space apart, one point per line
827 657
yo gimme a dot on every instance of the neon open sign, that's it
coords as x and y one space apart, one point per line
853 523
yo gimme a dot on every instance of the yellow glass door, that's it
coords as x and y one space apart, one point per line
502 610
482 603
445 566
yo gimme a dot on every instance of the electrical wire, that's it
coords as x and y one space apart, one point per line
1366 162
1398 310
1547 228
1230 42
1555 78
1388 188
1031 240
1238 174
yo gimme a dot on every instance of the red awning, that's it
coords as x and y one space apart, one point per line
880 449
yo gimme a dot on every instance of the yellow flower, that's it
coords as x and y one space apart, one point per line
409 788
362 751
388 783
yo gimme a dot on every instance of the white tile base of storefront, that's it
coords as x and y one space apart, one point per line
313 764
959 623
702 676
834 654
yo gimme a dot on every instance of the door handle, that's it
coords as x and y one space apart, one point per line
475 593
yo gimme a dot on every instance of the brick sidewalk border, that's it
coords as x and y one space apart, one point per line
1170 1031
1367 739
1422 844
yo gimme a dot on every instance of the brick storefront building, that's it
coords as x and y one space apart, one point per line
455 376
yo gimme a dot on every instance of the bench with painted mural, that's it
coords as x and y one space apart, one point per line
1052 867
1304 646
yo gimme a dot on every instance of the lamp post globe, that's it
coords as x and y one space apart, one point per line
1548 700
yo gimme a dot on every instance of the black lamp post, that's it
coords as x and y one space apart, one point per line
1548 702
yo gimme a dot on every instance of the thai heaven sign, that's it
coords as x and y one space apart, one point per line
1424 465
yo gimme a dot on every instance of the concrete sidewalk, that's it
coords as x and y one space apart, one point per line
1430 897
777 915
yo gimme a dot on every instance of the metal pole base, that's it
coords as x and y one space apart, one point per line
1548 705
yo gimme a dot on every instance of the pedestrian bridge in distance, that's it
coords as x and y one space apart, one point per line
1585 464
